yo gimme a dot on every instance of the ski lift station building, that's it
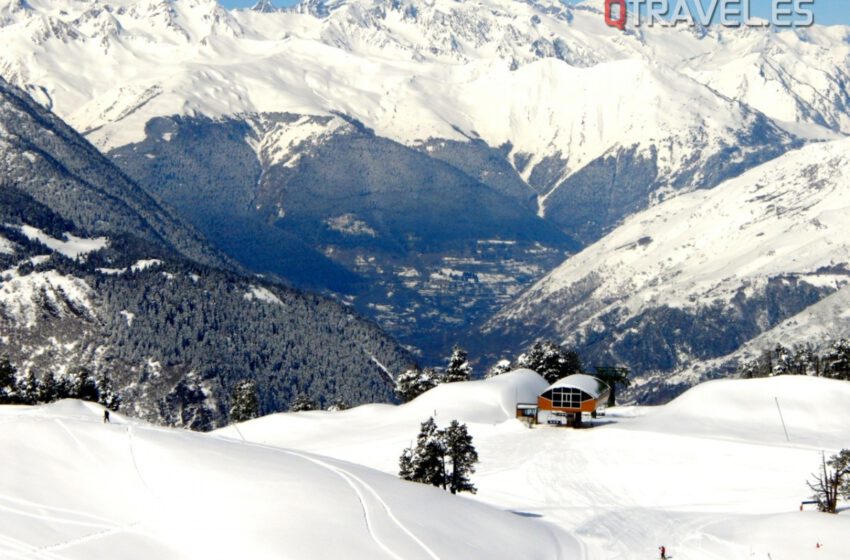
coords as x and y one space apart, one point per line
568 398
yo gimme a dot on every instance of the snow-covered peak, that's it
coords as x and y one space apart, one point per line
552 80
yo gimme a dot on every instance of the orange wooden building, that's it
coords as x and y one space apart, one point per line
571 396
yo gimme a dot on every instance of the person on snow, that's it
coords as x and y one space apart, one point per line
106 416
663 552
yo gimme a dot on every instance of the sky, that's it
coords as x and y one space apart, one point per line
827 12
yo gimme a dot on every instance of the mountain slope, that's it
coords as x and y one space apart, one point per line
45 158
120 297
696 277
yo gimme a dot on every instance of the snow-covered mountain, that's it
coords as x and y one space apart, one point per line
696 277
551 80
246 121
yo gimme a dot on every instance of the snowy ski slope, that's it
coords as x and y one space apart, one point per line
710 476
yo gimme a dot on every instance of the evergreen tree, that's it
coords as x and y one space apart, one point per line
245 405
502 366
8 380
458 368
806 361
187 405
836 362
107 395
28 389
405 465
428 458
47 388
81 385
414 382
302 402
437 450
551 361
751 369
462 456
783 361
338 405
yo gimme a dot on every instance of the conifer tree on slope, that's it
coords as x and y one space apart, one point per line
458 368
836 362
551 361
245 405
502 366
462 455
8 379
302 402
428 462
429 456
338 405
107 395
28 390
414 382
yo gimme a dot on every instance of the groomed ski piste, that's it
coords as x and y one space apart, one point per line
712 475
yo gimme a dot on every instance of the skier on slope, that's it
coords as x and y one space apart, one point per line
663 552
106 416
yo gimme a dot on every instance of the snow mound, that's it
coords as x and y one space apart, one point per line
78 488
490 401
815 411
369 431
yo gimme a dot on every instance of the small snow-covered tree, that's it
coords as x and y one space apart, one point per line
8 380
302 402
244 405
48 391
28 389
806 360
783 361
414 382
458 368
751 369
836 362
338 405
426 462
461 455
443 458
831 481
81 384
550 360
107 395
405 465
502 366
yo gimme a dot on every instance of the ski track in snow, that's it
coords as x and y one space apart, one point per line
88 538
353 480
26 550
370 526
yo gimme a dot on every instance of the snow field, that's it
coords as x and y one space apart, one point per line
78 488
710 475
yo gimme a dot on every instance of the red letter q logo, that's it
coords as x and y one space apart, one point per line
620 21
